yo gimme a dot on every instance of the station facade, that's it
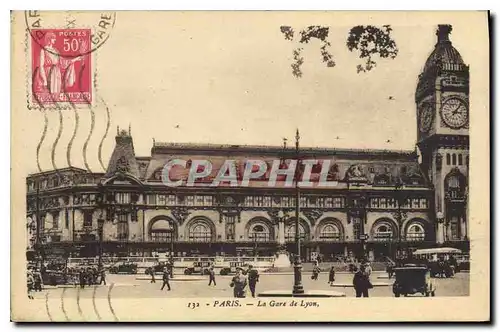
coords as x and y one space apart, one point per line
380 202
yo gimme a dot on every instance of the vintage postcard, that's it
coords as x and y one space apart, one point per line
250 166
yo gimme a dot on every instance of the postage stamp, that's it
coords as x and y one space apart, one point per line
60 50
61 67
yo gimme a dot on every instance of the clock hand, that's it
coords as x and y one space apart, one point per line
456 110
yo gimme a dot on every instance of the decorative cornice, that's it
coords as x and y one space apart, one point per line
180 214
313 215
448 141
397 214
273 215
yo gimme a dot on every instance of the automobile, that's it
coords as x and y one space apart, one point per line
125 268
232 267
441 269
53 278
201 267
439 260
463 263
157 268
412 279
55 266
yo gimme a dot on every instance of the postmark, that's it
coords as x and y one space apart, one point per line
100 23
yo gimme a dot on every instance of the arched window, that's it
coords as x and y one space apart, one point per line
453 159
453 182
415 233
448 161
290 232
330 232
383 232
200 232
260 233
162 231
453 186
460 159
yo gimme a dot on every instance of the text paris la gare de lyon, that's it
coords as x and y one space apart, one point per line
279 174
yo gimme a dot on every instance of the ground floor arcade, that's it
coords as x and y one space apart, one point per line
309 250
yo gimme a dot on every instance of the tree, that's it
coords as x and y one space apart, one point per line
370 41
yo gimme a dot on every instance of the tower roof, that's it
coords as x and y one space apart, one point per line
123 157
444 52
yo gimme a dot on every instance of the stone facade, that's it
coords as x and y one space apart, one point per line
379 202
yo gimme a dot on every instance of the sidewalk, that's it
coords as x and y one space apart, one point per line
323 272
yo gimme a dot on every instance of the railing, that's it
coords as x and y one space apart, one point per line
179 262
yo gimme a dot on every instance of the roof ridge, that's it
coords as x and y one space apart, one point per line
271 147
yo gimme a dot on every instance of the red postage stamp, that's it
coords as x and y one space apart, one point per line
61 66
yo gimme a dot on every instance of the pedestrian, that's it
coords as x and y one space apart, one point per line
166 277
95 275
331 276
152 273
103 277
239 282
171 266
368 269
89 276
37 276
361 282
253 279
211 274
31 284
316 271
74 278
83 278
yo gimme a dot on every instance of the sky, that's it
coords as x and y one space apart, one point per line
226 78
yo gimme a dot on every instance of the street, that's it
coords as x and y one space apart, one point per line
128 286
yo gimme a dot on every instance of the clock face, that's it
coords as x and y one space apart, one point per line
455 113
426 115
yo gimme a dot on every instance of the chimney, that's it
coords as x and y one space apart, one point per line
443 33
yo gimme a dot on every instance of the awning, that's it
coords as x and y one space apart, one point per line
437 251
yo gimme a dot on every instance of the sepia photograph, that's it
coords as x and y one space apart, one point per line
250 166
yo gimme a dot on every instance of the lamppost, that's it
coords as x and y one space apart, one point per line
399 185
440 220
356 213
171 258
100 225
297 265
38 241
282 216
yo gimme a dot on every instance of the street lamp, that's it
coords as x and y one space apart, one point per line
356 213
400 200
39 225
297 265
440 220
100 224
282 216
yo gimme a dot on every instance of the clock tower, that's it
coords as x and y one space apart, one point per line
442 104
